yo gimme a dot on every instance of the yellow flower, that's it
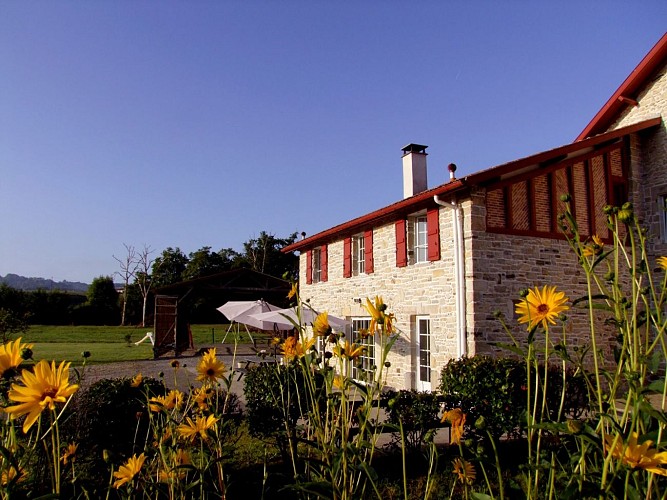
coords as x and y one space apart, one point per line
540 307
293 291
378 316
131 468
662 262
637 456
339 382
349 351
190 430
10 355
10 474
464 470
292 348
137 380
44 388
594 247
210 368
321 325
202 396
168 402
457 419
70 453
179 458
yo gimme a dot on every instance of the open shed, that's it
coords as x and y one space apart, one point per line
173 303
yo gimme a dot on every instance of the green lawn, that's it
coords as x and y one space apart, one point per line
108 344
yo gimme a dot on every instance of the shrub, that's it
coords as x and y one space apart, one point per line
273 397
416 411
110 417
495 388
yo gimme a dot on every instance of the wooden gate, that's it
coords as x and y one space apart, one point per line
166 318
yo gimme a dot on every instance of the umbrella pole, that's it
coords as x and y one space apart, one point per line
227 332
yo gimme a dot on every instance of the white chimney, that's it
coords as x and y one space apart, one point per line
414 170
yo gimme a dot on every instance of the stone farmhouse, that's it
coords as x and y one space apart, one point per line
446 258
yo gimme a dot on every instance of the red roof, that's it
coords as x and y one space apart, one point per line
628 92
460 186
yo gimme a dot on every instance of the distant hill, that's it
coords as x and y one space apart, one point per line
29 284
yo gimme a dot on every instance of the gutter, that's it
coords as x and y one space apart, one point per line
459 265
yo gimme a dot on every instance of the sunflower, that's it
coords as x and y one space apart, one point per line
594 247
137 380
378 316
210 368
457 419
202 397
339 382
10 475
131 468
292 348
293 291
44 388
637 456
349 351
541 307
10 356
199 427
321 325
172 400
70 453
179 458
662 262
464 470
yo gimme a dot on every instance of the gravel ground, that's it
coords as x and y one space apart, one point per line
182 377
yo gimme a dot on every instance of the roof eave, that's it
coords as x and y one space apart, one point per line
628 90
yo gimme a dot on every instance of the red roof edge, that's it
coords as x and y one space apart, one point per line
483 177
628 89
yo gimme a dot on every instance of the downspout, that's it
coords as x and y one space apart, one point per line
459 266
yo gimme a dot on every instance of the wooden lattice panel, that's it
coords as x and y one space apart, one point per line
599 195
495 209
542 204
520 216
580 198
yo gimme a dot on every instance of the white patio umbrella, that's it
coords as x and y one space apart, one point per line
240 311
285 319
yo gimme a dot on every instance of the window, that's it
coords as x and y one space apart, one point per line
362 368
317 265
424 351
358 254
417 240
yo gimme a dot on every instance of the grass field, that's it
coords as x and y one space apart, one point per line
108 344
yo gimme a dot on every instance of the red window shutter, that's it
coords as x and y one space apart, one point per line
347 257
368 251
324 276
433 228
401 245
309 267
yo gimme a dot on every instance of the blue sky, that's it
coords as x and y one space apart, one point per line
202 123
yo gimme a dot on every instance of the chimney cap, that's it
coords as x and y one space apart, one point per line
414 148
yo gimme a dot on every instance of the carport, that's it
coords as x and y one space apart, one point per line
173 303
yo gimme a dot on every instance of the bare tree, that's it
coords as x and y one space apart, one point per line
143 277
128 268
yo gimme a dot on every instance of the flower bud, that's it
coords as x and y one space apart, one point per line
480 423
85 354
575 426
26 353
565 198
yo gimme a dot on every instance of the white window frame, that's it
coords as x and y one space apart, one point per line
364 364
423 366
417 239
317 265
358 254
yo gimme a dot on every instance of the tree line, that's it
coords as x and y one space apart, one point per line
139 274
